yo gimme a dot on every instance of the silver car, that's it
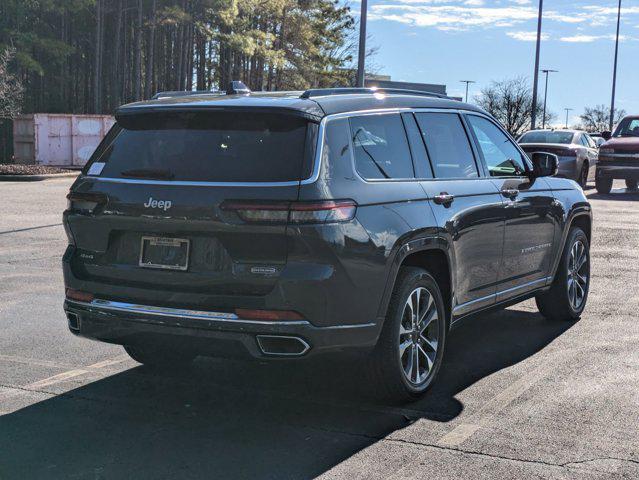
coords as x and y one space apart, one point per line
577 151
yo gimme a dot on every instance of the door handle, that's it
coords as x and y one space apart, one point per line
510 193
444 199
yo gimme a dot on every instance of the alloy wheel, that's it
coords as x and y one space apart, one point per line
418 336
578 273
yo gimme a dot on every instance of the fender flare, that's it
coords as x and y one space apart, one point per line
426 243
580 211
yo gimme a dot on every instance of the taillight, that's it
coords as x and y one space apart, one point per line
267 315
328 211
85 202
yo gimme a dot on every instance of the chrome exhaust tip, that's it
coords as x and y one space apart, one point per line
74 321
282 346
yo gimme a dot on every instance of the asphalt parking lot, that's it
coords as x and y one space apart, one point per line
519 397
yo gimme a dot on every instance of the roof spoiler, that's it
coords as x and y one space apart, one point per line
235 87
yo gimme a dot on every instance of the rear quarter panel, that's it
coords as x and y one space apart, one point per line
361 254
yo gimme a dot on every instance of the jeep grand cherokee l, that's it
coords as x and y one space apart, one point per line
284 225
620 157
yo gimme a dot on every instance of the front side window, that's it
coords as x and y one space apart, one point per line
380 147
502 157
447 143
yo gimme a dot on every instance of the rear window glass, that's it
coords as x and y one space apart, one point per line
380 147
210 147
547 137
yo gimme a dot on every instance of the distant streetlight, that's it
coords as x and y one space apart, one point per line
614 70
533 120
361 58
467 82
546 95
567 110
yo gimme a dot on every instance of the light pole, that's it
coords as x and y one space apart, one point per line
567 110
467 82
546 95
361 58
533 120
614 70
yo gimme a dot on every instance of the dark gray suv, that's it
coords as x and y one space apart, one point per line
284 225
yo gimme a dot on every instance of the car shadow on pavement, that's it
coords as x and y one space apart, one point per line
225 419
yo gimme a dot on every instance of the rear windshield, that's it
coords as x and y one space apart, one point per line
547 137
209 147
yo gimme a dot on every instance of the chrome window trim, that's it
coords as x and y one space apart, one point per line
398 110
317 162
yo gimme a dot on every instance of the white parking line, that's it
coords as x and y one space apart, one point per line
60 377
486 414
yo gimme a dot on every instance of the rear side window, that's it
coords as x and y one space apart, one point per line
210 147
448 146
380 147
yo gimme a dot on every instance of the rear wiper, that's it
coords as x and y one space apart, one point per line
155 173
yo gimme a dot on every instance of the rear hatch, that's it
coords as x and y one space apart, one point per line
165 202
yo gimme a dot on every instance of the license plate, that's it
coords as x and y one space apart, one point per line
166 253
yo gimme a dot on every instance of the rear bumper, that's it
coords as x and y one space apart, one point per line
209 333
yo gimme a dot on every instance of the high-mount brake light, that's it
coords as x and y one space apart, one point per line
329 211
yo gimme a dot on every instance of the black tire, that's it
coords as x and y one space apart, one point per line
631 184
386 363
160 357
603 185
582 180
556 304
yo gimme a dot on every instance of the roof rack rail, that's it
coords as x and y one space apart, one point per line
235 88
186 93
320 92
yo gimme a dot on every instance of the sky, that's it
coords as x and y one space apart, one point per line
445 41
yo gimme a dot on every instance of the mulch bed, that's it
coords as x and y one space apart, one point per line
11 169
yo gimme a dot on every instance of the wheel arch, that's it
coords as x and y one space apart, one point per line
432 255
581 218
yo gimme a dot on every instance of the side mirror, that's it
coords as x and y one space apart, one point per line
600 141
544 164
606 135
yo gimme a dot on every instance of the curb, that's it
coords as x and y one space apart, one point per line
36 178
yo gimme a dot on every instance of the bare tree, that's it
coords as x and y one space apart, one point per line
596 119
11 89
510 102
